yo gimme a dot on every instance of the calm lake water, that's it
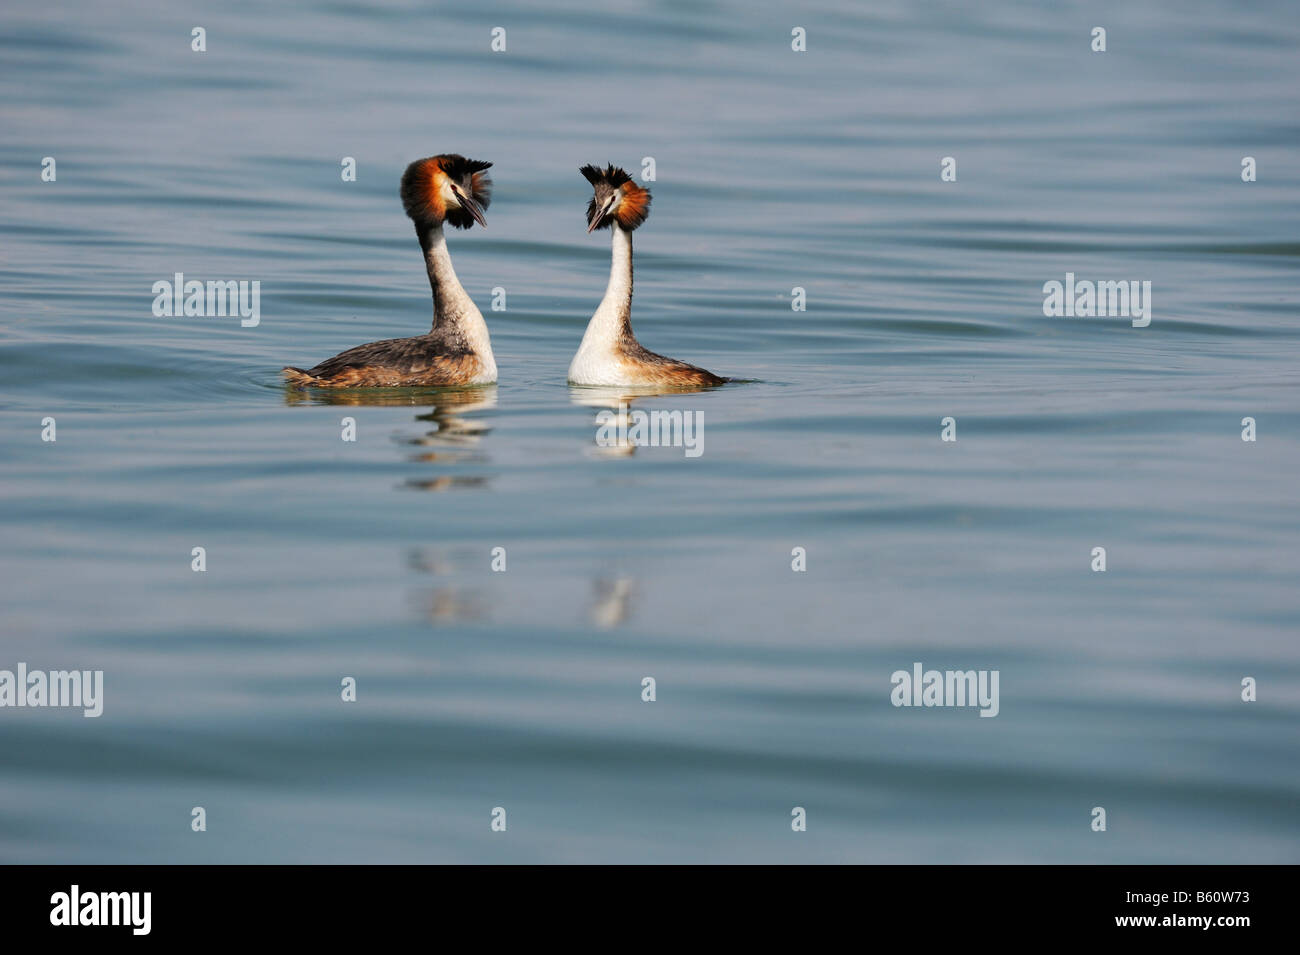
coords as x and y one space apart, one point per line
522 689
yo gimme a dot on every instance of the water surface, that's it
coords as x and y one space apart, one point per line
522 689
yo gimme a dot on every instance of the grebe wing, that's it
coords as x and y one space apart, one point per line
404 356
668 371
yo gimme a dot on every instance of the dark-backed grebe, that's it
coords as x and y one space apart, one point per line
457 351
609 353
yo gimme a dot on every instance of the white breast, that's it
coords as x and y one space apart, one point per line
597 364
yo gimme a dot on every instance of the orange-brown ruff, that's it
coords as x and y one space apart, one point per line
609 354
457 350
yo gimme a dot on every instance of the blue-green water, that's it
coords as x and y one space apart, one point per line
522 689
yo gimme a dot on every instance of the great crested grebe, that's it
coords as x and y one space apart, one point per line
609 353
457 351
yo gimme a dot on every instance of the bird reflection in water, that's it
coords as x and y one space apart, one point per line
447 436
444 602
618 400
453 438
612 604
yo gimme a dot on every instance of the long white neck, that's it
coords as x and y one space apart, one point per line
454 312
613 316
598 359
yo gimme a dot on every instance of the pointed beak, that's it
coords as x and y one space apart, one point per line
600 214
470 206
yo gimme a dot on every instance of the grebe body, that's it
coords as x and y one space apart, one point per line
457 350
609 354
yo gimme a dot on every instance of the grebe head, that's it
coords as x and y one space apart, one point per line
617 199
446 188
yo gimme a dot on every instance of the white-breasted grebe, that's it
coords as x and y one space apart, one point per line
609 353
457 351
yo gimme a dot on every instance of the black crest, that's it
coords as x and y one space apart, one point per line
611 175
458 167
